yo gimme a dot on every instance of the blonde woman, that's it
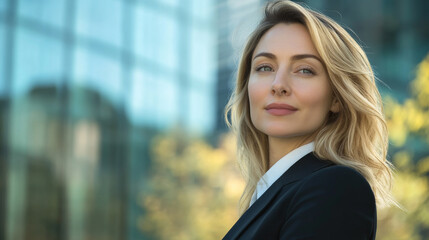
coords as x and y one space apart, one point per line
312 139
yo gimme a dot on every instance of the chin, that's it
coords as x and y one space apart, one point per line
286 133
279 133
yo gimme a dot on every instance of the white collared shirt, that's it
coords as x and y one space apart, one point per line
280 167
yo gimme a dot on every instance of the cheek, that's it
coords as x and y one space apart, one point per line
257 93
253 99
318 98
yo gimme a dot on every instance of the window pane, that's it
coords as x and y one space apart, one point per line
172 3
47 11
167 102
156 37
154 100
2 61
202 107
33 66
3 5
98 73
203 55
100 19
141 102
203 9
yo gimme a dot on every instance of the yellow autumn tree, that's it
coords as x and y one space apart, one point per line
193 189
411 187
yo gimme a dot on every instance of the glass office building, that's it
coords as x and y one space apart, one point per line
84 85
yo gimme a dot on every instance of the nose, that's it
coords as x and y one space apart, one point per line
280 85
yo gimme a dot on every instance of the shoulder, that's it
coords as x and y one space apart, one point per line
337 182
338 175
336 201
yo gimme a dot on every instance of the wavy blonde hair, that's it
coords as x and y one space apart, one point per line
356 136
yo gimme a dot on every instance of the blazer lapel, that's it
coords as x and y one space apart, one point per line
305 166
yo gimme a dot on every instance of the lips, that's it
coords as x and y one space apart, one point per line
280 109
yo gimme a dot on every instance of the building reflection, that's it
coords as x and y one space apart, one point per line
84 86
67 175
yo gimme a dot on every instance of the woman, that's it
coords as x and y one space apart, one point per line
312 139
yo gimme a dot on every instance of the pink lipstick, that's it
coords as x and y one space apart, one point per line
280 109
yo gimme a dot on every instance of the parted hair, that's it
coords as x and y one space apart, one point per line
356 136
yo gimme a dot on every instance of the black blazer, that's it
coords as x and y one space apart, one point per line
314 199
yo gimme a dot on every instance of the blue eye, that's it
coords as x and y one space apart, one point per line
306 71
264 69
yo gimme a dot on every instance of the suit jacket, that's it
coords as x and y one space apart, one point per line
314 199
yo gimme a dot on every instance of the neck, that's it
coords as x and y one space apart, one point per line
279 147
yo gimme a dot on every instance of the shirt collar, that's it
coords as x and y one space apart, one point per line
280 167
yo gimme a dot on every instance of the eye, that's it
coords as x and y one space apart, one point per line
264 68
306 71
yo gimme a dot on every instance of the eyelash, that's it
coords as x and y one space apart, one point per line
259 68
310 71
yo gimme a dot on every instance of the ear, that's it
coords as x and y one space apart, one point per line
335 105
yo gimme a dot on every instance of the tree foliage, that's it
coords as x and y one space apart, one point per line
412 116
193 189
411 187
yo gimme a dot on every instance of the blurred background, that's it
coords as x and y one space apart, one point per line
111 114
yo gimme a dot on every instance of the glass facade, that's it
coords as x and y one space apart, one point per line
3 87
49 13
84 87
29 69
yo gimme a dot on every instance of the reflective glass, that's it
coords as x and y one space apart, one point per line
171 3
167 101
201 110
38 61
203 9
156 37
203 55
141 102
2 60
100 20
3 5
168 3
46 11
99 73
154 100
34 142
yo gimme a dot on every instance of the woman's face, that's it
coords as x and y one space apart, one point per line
289 91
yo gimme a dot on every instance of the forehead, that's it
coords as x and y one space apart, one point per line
286 39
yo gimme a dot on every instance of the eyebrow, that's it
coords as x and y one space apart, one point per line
294 57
